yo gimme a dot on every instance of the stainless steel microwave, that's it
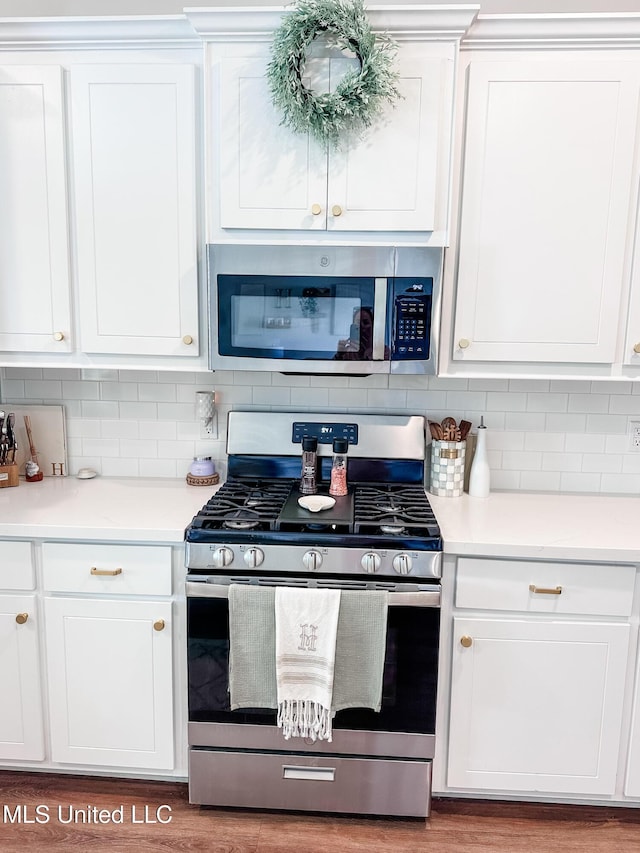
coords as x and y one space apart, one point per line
335 310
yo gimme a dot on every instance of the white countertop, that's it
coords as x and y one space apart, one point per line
513 524
547 526
128 509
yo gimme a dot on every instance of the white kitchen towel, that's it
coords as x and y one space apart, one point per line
306 630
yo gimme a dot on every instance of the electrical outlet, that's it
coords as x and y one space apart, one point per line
634 436
210 428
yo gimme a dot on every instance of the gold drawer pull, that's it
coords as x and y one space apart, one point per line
158 625
21 618
466 642
541 590
110 572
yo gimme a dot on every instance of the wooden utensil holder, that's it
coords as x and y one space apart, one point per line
9 475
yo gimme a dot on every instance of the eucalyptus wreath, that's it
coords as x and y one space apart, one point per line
358 97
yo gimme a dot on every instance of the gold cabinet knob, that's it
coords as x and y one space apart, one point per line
636 348
21 618
58 336
463 343
465 641
158 625
336 210
188 340
316 209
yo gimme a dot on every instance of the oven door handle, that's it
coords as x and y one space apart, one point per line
417 598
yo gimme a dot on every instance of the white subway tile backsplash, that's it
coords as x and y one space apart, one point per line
544 435
42 389
588 403
624 404
506 401
98 409
118 428
79 390
157 392
118 391
135 448
551 402
540 481
577 482
546 441
605 463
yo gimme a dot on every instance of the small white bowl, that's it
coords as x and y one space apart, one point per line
86 474
316 503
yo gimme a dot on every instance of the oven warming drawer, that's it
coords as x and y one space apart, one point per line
309 783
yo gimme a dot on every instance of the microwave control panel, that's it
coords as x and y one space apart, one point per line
411 318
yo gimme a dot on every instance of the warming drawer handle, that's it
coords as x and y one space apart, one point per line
109 572
309 774
541 590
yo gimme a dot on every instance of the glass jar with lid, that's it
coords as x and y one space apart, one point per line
338 485
202 466
309 475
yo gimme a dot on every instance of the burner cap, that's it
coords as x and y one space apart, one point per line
240 525
392 529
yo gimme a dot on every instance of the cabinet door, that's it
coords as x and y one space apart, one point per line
544 212
134 178
632 781
34 243
536 706
21 717
110 682
395 178
268 176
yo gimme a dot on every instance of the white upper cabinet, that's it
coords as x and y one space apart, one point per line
387 180
35 310
545 200
267 183
133 150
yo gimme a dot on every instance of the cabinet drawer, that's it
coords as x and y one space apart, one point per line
545 587
115 569
16 565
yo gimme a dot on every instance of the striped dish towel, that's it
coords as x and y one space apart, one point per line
306 629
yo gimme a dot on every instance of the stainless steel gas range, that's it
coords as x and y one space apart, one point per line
381 535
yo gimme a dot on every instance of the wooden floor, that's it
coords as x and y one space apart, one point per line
455 826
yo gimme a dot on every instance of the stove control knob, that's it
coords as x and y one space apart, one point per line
312 560
370 562
253 557
402 563
222 557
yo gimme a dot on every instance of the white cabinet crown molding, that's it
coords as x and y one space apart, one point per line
419 22
557 30
108 31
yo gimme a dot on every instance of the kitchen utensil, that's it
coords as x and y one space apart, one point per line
464 426
436 430
11 436
449 429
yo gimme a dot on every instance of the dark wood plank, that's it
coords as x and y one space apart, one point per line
455 826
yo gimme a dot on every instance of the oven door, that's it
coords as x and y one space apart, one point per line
405 725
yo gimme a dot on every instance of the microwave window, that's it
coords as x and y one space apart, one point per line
299 318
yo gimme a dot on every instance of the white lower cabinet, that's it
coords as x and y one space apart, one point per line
536 706
21 718
110 682
538 676
109 653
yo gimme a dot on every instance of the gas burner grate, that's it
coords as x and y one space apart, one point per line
244 505
394 510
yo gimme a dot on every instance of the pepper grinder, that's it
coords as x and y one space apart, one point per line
480 474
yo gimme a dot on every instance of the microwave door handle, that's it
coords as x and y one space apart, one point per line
379 317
